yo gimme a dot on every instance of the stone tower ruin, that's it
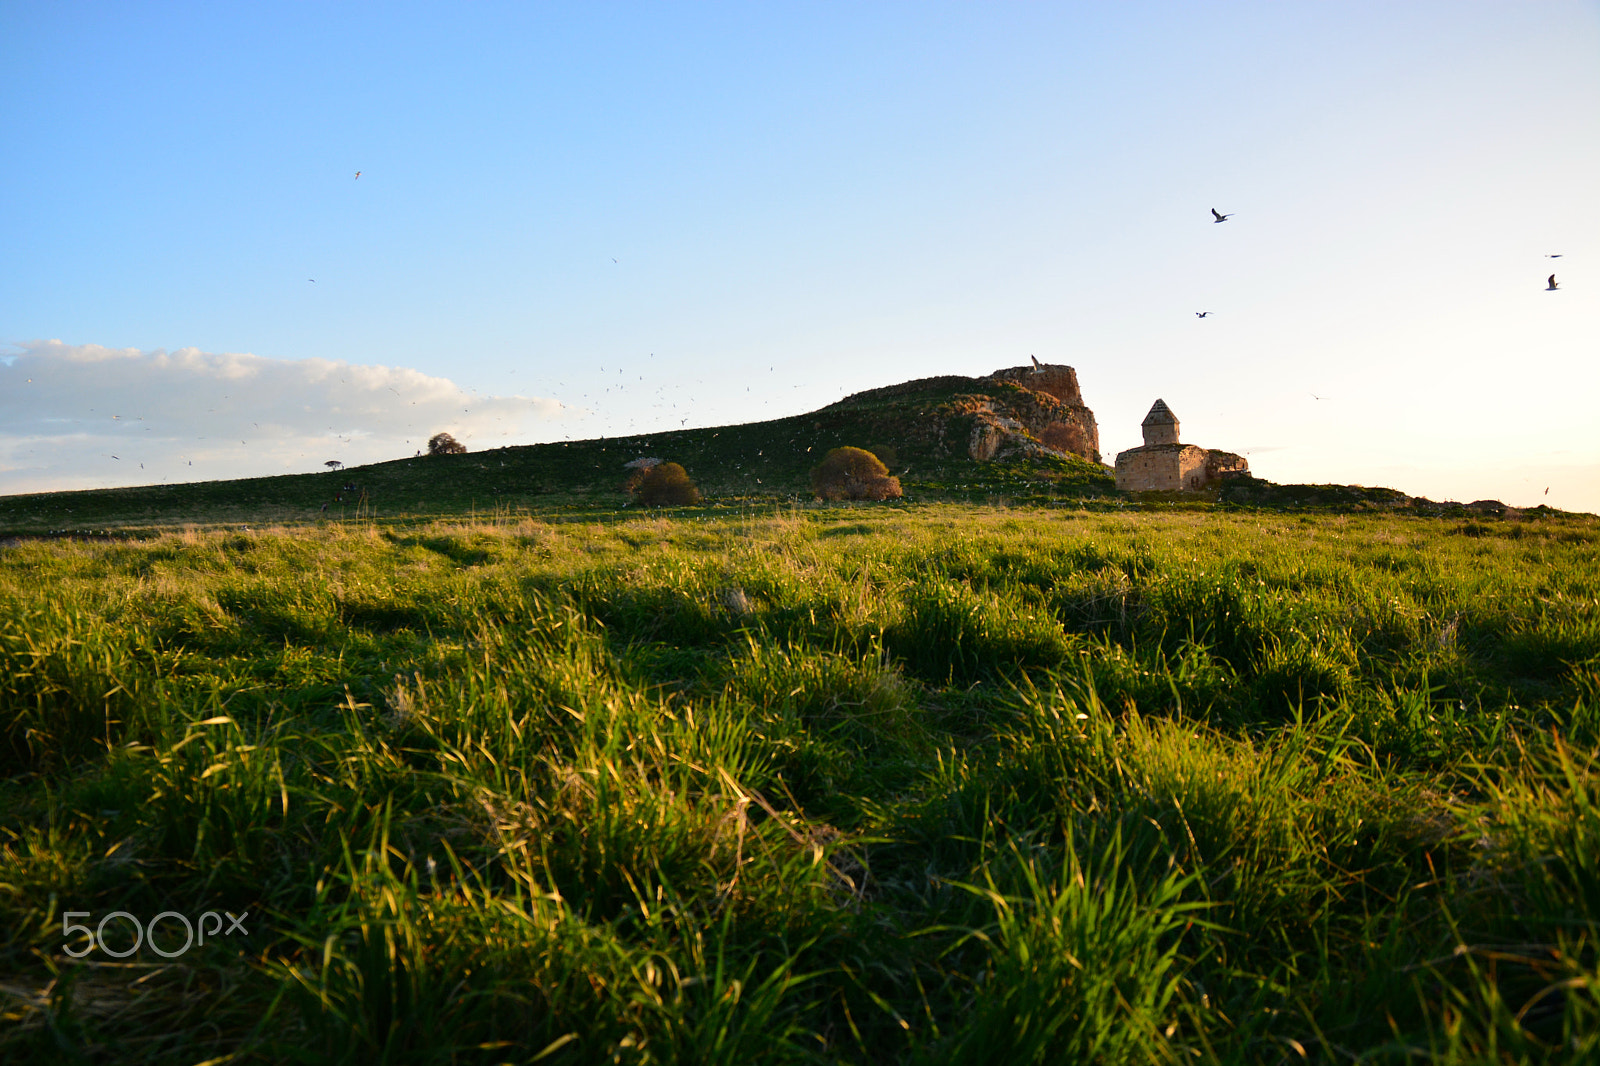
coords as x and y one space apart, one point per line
1164 465
1160 425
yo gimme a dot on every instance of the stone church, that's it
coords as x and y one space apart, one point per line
1164 465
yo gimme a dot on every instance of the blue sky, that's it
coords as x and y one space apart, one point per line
586 219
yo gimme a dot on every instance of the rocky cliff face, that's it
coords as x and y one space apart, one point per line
996 435
1052 379
993 418
1035 407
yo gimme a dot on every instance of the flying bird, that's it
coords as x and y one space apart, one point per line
1220 217
358 173
1314 396
1556 256
313 280
1551 287
1036 367
1201 314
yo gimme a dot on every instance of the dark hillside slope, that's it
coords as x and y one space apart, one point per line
922 429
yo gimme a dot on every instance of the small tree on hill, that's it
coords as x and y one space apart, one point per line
853 474
445 444
666 485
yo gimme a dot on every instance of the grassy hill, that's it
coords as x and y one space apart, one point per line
919 428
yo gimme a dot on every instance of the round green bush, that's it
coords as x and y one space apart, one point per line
666 485
853 474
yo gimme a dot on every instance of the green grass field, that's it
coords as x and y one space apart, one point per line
929 783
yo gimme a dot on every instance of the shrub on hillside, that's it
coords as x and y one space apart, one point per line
887 454
445 444
853 474
666 485
637 470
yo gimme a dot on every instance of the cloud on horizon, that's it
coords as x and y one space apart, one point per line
86 416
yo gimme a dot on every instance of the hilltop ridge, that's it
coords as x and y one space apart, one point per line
944 437
949 437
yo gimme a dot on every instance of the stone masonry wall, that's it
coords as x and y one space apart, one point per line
1221 464
1175 467
1158 467
1160 433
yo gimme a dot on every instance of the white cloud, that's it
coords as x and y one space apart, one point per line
86 416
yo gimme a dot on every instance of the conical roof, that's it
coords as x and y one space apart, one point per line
1160 415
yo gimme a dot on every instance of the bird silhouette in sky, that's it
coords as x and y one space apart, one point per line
1314 396
1219 216
1201 314
1556 256
1551 286
358 174
312 280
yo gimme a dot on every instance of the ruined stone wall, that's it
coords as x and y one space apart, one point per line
1152 468
1221 465
1192 467
1158 467
1175 467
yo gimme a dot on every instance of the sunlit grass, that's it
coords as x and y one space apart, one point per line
837 784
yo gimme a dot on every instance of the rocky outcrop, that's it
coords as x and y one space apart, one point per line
1052 379
1014 412
1064 425
996 436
